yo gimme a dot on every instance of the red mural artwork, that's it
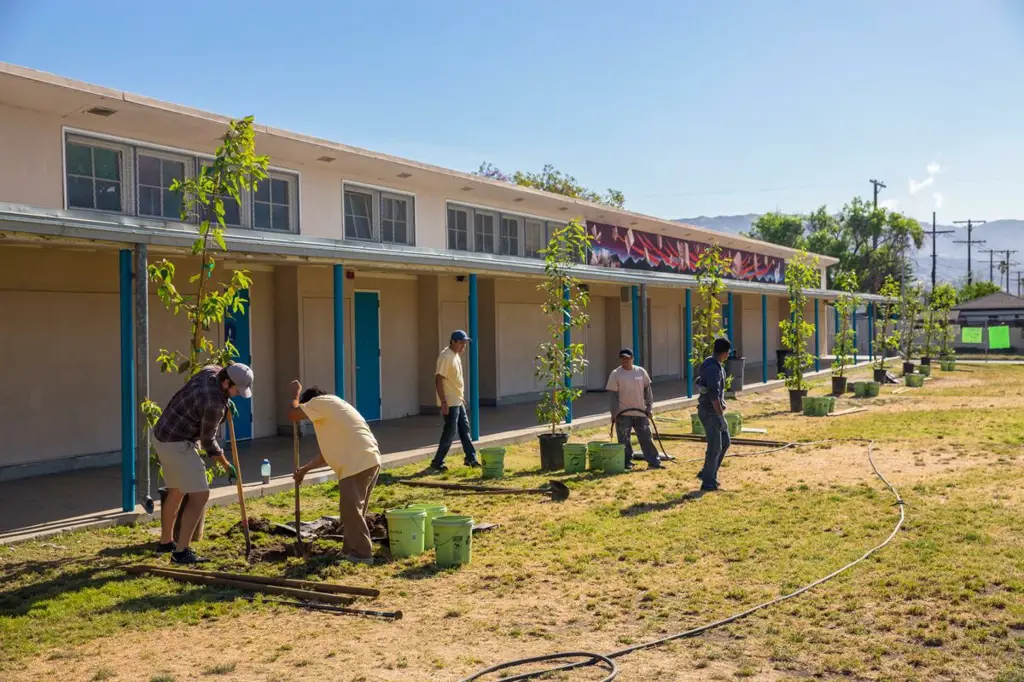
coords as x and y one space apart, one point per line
621 247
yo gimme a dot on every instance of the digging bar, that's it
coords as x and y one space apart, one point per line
330 588
249 586
558 490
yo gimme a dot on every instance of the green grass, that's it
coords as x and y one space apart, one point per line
638 559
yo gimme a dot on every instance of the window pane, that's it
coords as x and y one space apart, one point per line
108 163
149 171
261 216
173 170
401 234
80 193
232 212
278 191
149 201
172 204
263 191
108 195
358 219
281 218
387 208
400 210
387 231
79 159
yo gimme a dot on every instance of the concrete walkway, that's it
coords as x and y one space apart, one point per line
39 507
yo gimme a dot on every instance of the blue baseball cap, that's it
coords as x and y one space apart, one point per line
459 335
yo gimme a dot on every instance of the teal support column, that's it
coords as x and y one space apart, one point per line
730 321
689 345
764 338
817 339
871 330
566 342
853 323
636 323
474 362
128 408
339 330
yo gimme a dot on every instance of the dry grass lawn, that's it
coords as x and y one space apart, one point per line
626 559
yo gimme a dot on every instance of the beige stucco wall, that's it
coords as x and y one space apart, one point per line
60 393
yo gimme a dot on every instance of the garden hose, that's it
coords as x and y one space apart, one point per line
654 426
606 659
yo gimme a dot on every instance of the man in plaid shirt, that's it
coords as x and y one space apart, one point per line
191 421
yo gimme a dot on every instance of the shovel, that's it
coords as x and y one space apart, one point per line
557 490
301 548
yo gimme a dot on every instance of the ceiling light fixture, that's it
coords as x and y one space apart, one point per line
326 159
101 111
405 175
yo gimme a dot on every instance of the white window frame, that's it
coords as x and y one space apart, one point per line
131 148
469 226
127 167
190 171
519 232
377 197
293 203
244 201
547 225
495 230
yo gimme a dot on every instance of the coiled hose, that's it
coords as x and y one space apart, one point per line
607 660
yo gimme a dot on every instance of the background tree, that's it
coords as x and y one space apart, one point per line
712 267
802 273
779 228
235 168
885 340
845 304
969 292
943 298
565 304
549 179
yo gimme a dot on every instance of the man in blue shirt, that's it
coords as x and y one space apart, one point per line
711 412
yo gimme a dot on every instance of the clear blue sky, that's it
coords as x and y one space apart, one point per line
688 107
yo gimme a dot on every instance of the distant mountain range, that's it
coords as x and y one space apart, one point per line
951 261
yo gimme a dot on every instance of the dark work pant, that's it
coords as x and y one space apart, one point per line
718 445
456 421
626 423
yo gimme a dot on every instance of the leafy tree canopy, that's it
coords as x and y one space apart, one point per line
549 179
969 292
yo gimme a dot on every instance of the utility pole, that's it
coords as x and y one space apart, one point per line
992 265
970 228
1008 265
876 184
934 257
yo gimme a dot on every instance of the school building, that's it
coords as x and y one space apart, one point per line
362 264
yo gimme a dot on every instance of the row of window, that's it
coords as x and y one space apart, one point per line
503 234
135 180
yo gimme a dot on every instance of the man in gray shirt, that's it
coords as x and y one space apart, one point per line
631 403
711 412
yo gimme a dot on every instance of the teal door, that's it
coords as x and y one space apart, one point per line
237 330
366 308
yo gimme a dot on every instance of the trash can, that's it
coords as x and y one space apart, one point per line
734 368
780 357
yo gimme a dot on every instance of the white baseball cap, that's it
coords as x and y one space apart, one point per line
241 376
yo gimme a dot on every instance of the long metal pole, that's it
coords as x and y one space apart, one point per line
688 339
474 361
128 407
339 330
144 489
644 327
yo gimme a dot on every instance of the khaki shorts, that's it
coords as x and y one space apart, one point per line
183 467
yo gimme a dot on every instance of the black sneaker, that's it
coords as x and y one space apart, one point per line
471 463
186 556
439 468
165 547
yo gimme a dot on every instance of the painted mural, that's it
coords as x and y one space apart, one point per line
621 247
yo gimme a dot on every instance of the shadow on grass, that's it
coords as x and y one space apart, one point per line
163 602
647 507
422 572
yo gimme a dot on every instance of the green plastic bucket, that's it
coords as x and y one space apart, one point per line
948 365
914 380
575 457
816 407
453 540
594 454
613 458
860 389
433 511
406 531
696 426
925 370
831 404
872 388
492 462
735 422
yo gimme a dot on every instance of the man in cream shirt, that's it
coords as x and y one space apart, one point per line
450 388
348 446
631 403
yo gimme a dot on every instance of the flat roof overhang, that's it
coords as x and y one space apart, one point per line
20 223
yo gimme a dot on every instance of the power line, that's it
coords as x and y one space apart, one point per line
934 256
970 228
992 264
1008 266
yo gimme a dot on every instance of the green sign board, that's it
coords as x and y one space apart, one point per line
971 334
998 338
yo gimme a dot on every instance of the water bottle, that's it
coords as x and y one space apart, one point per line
265 471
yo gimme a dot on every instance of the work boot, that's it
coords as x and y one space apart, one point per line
187 556
165 547
368 561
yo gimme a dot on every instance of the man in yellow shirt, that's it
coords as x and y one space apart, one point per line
451 397
348 446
